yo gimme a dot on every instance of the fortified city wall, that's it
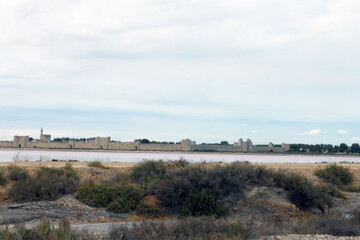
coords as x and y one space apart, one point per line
105 143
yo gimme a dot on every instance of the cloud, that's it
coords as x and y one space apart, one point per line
355 139
311 132
342 131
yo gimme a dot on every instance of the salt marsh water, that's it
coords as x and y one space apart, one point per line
7 155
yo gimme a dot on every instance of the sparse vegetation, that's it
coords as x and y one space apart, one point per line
121 198
45 231
17 173
190 228
335 174
229 182
96 164
3 178
48 184
355 216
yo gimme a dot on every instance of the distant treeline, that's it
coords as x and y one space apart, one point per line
325 148
66 139
144 140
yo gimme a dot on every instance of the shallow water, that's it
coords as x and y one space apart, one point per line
113 156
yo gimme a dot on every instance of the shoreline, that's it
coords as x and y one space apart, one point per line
176 152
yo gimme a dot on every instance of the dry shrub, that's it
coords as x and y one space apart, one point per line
17 173
3 179
337 175
48 184
96 164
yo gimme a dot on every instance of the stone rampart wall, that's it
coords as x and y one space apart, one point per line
217 148
123 146
6 144
160 147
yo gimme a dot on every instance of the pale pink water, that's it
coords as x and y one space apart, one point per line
110 156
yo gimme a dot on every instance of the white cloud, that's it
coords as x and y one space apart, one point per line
311 132
355 139
342 131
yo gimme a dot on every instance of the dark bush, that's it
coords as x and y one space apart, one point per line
202 203
3 179
335 174
48 184
302 192
228 183
17 173
148 171
121 198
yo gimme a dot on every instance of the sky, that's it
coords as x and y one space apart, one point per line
268 70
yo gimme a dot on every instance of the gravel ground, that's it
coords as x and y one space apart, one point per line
66 206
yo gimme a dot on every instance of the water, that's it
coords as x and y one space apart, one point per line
7 155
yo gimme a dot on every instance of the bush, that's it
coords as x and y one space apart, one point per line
121 198
3 179
147 171
302 192
202 203
48 184
337 175
16 173
96 164
227 183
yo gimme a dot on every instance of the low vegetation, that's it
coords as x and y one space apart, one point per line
191 228
196 190
17 173
47 184
121 198
96 164
335 174
3 179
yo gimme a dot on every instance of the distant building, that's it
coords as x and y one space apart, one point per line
105 143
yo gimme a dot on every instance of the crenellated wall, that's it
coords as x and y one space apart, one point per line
105 143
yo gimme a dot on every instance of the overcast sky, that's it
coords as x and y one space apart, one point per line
269 70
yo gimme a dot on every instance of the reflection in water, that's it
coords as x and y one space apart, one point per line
107 156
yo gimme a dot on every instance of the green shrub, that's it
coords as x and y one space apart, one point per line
302 192
48 184
121 198
3 178
96 164
202 204
228 182
337 175
17 173
147 171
